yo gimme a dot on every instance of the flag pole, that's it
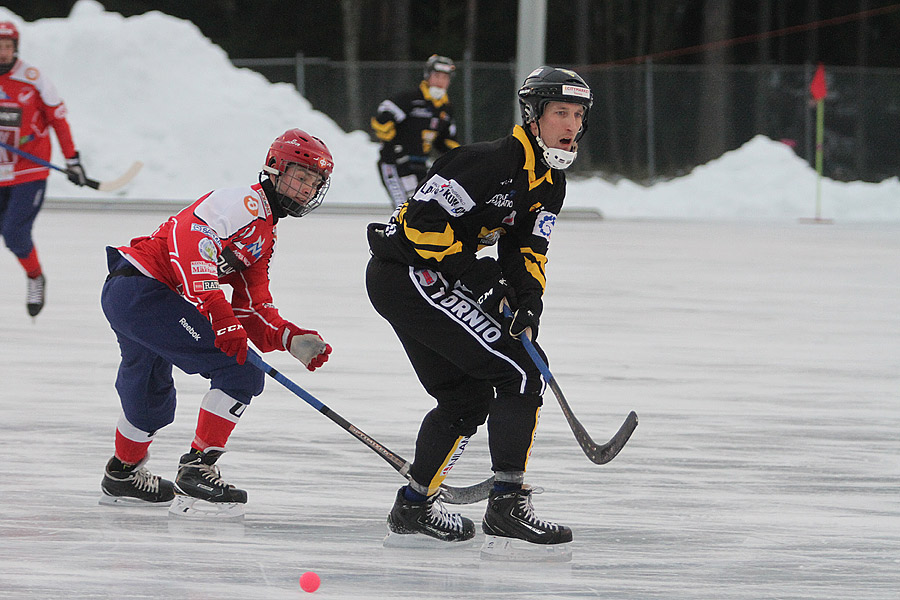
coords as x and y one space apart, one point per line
818 90
820 139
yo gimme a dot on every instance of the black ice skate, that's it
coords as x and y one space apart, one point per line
515 533
134 485
200 492
430 519
34 296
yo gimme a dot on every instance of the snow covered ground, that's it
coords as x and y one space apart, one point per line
762 355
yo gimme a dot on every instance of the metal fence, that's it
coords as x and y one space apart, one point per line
648 121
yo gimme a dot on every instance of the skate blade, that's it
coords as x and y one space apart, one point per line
186 507
106 500
420 541
515 550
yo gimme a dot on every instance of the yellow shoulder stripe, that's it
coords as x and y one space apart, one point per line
533 180
384 131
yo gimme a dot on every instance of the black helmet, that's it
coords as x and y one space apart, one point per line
441 64
548 84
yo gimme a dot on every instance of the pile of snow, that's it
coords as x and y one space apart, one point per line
153 88
761 180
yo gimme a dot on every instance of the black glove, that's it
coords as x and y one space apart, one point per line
75 170
485 283
527 315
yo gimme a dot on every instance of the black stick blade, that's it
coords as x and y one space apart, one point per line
601 455
467 495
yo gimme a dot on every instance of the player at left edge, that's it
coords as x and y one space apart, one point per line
29 107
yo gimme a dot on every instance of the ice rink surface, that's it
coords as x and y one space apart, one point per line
763 360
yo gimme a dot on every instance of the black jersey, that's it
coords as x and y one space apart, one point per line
476 196
413 125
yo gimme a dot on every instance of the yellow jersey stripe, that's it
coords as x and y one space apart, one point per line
444 470
533 180
536 265
537 416
444 240
384 131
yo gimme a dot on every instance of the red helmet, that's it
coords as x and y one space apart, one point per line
295 146
8 31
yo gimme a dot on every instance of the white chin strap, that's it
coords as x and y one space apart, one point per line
556 158
436 92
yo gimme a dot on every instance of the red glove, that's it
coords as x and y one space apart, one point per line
305 345
230 337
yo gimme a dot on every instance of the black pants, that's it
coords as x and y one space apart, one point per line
468 362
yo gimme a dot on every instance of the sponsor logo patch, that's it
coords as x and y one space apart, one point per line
191 331
252 205
450 195
576 90
467 313
208 250
205 286
254 249
459 450
426 277
543 225
201 267
501 201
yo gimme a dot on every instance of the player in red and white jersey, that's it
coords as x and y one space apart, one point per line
29 108
163 298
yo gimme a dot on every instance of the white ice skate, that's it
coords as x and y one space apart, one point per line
188 507
515 550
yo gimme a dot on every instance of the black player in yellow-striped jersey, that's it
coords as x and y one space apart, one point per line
412 126
444 303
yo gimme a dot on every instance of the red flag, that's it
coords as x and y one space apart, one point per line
817 87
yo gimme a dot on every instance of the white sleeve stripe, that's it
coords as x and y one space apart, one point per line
251 312
396 112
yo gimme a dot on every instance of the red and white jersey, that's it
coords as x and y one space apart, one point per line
226 237
29 106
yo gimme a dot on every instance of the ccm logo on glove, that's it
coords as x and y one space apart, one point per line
232 340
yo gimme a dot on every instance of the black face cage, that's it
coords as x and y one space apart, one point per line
296 209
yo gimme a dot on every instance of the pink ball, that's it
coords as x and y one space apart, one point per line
309 581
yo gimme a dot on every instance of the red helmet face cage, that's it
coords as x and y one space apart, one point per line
298 147
8 31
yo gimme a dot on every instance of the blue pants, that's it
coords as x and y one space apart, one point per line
157 328
19 207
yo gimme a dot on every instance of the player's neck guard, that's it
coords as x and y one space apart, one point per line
556 158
